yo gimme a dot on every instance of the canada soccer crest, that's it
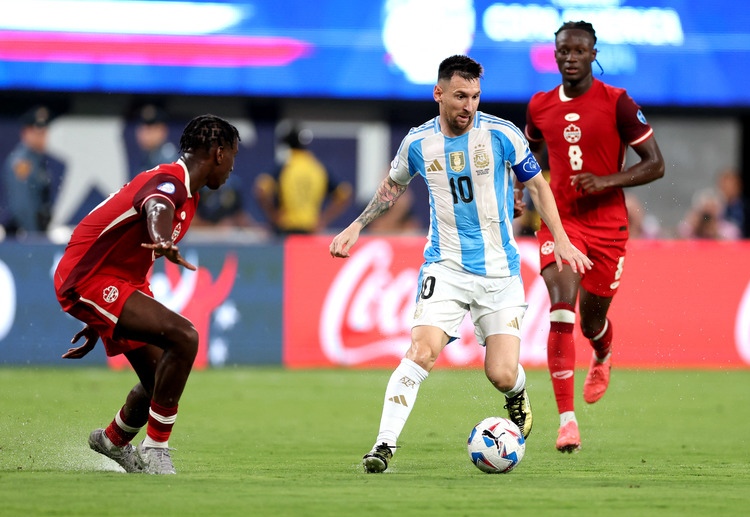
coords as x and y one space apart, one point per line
572 134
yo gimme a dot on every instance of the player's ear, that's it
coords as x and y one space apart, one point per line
219 154
437 93
594 52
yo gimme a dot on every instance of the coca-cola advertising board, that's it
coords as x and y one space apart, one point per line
681 304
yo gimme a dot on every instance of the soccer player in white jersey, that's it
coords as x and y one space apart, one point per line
471 263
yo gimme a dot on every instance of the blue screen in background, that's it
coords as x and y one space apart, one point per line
679 53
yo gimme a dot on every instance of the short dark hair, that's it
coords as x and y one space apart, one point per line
581 25
460 65
206 130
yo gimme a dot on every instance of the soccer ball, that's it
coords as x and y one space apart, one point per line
496 445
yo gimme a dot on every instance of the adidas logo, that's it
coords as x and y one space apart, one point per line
399 399
514 323
434 166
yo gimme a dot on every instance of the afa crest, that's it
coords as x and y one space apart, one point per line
481 158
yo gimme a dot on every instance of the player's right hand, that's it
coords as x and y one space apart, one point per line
343 242
170 251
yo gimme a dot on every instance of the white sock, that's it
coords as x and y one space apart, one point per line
568 416
150 442
520 383
400 395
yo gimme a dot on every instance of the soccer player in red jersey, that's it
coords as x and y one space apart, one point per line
101 280
587 127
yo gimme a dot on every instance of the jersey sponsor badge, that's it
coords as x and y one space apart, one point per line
530 165
641 117
167 187
572 117
457 160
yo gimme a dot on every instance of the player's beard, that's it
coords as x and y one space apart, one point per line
457 127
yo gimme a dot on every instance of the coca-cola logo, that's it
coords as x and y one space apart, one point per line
7 300
369 307
742 326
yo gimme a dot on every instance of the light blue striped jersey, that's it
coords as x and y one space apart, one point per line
470 183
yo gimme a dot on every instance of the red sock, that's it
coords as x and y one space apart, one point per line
603 343
160 422
119 432
561 355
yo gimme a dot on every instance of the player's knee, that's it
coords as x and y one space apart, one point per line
424 356
502 377
591 329
183 339
190 342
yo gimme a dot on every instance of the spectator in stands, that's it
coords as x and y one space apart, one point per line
152 137
705 219
301 197
224 207
29 183
729 184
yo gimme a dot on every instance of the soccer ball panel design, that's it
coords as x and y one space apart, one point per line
496 445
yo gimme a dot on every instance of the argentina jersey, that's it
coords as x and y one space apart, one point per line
470 184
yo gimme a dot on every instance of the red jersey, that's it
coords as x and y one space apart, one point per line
108 240
589 133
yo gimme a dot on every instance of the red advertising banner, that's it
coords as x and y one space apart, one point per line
682 304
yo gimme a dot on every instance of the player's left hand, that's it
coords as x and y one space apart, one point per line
170 251
577 260
91 335
588 183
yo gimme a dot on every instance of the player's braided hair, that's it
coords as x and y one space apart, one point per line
205 131
582 25
462 66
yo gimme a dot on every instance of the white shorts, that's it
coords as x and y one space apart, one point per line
497 305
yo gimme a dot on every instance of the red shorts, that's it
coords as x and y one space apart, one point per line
607 254
98 302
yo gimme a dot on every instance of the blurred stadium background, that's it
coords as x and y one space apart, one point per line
359 75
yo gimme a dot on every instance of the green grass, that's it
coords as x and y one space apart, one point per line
264 441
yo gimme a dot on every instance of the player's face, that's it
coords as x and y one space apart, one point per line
220 174
574 53
459 100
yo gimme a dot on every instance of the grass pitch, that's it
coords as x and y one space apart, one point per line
265 441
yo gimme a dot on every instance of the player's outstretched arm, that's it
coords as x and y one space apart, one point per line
544 200
387 194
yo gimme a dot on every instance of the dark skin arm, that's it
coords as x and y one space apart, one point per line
648 169
159 215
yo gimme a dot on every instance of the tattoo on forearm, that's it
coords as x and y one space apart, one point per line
387 194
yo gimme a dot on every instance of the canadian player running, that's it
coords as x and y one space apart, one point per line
471 263
102 280
587 126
